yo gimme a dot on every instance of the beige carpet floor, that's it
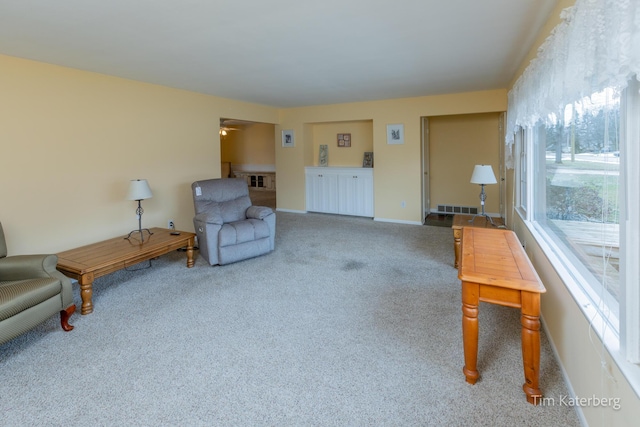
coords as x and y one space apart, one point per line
349 322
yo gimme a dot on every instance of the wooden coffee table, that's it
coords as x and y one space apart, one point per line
92 261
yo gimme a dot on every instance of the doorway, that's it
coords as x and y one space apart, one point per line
457 143
247 151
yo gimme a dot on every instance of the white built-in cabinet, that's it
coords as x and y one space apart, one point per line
340 190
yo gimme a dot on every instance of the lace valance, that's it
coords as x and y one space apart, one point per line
597 45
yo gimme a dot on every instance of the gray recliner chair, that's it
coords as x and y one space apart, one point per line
31 291
228 226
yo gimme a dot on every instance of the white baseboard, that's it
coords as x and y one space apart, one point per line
565 376
397 221
290 210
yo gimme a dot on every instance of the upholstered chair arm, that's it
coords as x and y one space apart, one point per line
209 217
258 212
21 267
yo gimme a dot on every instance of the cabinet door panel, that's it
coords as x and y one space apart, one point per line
329 193
365 188
356 194
349 196
322 192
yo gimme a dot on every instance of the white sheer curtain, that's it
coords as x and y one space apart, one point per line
596 46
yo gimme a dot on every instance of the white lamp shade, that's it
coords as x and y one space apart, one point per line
139 190
483 174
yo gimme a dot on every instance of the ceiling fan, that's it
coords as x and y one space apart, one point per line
224 128
227 125
224 131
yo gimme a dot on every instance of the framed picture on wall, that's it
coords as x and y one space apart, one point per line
323 157
344 140
395 134
287 138
367 160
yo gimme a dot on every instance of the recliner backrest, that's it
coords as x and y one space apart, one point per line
3 243
230 196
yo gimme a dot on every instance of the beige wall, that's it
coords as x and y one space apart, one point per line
71 141
577 346
74 139
397 171
456 144
251 145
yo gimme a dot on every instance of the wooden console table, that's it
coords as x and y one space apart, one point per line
460 221
92 261
494 268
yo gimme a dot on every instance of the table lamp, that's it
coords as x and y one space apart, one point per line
139 190
483 175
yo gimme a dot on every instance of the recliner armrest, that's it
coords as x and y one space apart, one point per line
258 212
209 217
21 267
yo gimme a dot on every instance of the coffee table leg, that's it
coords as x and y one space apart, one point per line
86 293
530 320
190 260
470 301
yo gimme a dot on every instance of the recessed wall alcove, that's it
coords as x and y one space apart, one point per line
361 132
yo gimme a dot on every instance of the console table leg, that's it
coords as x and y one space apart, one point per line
470 301
457 237
86 293
530 320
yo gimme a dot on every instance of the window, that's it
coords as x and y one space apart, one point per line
580 163
575 194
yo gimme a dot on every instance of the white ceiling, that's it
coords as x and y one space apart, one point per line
283 53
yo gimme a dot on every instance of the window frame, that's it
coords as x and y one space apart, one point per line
623 341
630 222
522 202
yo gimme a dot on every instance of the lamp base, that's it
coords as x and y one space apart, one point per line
141 234
483 197
484 215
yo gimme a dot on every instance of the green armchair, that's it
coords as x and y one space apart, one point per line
31 291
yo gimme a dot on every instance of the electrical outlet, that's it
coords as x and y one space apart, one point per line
171 225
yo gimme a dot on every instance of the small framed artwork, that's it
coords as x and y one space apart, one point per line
344 140
395 134
323 158
287 138
367 161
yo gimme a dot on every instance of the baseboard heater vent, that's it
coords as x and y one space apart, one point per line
449 209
